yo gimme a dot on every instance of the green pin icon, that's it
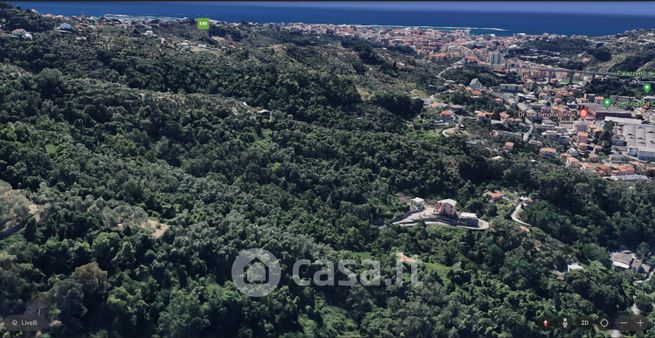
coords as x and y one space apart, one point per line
202 23
646 88
607 102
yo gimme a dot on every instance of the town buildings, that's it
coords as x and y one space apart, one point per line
639 140
598 112
548 98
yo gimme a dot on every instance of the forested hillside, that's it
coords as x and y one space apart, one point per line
144 168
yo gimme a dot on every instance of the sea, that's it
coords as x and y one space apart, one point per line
500 18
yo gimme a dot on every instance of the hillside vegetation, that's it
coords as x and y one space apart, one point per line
159 163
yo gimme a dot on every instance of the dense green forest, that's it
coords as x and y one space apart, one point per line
139 169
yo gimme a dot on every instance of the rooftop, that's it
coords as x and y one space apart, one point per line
467 215
641 136
448 200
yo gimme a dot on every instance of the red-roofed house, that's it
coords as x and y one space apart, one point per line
470 59
603 170
548 152
509 146
495 195
439 56
483 116
572 162
405 259
447 115
588 167
624 170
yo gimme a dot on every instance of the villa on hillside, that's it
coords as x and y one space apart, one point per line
448 208
628 260
495 196
21 34
447 115
444 212
417 204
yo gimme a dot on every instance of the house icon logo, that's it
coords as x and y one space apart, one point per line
256 272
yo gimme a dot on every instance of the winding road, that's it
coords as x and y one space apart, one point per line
517 212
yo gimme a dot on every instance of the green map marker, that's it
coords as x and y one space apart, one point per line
202 23
607 102
646 88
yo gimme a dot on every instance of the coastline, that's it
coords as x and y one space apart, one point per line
129 17
492 21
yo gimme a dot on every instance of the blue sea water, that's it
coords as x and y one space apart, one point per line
590 18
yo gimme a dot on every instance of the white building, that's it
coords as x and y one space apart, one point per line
417 204
476 85
510 87
640 140
21 34
495 58
468 218
646 154
573 267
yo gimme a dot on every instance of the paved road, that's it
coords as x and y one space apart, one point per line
515 215
10 230
456 128
551 69
635 310
440 75
528 134
446 132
